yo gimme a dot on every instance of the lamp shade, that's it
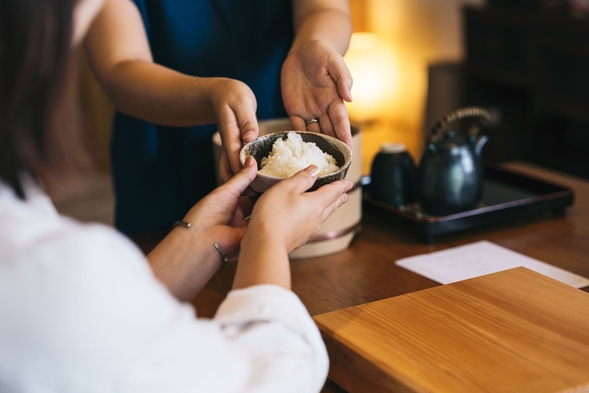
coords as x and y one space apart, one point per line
372 64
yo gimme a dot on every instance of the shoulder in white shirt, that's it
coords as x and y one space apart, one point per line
82 311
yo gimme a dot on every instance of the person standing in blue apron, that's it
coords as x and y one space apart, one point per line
178 70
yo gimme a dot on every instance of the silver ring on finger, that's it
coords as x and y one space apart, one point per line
311 121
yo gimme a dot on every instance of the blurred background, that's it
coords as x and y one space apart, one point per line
397 38
415 60
405 37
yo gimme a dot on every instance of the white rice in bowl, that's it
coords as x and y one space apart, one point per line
292 155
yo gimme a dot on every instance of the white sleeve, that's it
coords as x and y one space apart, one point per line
125 330
261 340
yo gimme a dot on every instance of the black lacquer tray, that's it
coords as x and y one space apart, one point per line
507 196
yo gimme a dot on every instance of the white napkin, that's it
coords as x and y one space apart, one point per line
478 259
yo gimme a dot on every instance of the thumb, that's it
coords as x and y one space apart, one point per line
249 130
341 76
303 180
243 178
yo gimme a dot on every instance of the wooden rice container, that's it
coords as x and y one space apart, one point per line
338 230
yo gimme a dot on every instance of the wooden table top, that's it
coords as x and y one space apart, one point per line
512 332
367 272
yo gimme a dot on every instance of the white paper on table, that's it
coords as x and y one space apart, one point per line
478 259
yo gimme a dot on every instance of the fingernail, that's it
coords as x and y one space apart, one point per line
313 170
249 161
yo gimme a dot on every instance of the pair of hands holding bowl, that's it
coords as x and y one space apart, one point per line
283 218
285 214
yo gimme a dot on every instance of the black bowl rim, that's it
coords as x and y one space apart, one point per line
345 166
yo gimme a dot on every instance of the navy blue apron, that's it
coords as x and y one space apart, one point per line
161 172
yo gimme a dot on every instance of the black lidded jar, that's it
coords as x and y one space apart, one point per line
394 176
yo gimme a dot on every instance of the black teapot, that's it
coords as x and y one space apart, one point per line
451 170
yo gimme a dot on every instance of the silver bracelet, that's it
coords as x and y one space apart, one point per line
217 246
224 258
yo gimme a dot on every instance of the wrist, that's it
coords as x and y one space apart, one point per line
200 243
209 86
262 261
300 44
264 235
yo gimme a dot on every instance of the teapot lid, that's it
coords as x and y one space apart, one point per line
390 147
450 139
449 135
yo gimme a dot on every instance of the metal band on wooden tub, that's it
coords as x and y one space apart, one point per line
335 234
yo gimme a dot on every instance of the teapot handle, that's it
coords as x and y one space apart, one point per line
458 114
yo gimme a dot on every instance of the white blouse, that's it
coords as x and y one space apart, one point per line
80 311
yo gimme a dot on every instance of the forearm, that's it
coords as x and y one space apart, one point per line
184 264
120 56
159 95
262 261
325 20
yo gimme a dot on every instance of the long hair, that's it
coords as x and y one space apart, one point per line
35 48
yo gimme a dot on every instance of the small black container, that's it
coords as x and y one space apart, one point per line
394 176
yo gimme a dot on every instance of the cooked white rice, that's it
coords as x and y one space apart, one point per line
291 155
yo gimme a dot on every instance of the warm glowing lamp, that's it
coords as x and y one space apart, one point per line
371 61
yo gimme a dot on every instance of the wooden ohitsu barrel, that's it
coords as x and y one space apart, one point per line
338 230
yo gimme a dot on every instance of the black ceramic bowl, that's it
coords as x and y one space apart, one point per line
261 148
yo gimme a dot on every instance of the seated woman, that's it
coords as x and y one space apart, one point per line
81 308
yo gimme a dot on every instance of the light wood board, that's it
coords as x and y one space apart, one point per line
512 331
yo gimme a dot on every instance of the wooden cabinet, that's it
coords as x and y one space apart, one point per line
532 65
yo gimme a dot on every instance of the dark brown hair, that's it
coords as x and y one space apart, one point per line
35 46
